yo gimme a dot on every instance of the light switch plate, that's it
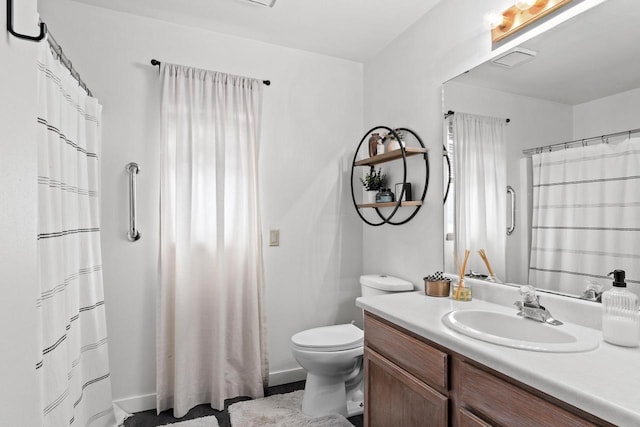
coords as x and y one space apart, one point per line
274 237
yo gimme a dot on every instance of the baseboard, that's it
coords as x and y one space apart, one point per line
137 403
148 401
286 377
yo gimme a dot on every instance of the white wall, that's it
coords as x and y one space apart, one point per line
403 88
312 119
18 196
534 122
615 113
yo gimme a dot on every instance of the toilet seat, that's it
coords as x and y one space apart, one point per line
329 338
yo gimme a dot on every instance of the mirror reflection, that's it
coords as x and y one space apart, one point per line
557 120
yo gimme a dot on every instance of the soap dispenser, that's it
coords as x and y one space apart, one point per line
620 316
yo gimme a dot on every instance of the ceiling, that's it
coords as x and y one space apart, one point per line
593 55
349 29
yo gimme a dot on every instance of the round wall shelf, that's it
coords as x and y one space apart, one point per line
401 153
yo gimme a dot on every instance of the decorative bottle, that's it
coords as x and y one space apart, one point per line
373 144
620 316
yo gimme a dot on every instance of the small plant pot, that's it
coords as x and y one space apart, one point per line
369 197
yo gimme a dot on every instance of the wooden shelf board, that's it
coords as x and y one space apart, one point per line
390 204
391 155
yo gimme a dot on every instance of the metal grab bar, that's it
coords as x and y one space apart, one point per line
512 192
132 169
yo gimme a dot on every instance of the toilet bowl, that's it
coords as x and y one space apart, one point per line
332 357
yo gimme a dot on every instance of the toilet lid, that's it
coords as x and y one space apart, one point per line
329 338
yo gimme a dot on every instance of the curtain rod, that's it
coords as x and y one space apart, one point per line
155 62
583 142
451 113
55 47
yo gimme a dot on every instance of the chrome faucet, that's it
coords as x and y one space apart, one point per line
530 307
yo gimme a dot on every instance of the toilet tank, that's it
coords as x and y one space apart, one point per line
381 284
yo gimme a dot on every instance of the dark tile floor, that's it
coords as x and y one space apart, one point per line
150 419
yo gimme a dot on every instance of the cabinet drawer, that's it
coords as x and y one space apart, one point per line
419 359
507 404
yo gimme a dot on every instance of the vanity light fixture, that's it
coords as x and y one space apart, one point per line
520 15
524 4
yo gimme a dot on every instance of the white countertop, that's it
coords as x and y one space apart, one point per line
604 382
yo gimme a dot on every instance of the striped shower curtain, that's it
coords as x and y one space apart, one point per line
586 216
72 362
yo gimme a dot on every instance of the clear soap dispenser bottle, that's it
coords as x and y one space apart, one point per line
620 316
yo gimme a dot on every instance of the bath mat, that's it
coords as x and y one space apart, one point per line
280 410
197 422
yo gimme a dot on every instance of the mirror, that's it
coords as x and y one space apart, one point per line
579 83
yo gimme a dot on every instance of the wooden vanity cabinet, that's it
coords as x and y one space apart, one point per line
406 379
410 381
398 398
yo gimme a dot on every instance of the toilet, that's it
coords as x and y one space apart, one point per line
332 357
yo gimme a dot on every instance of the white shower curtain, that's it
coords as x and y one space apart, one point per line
586 216
210 327
480 189
72 361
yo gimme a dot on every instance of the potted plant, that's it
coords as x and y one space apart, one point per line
373 182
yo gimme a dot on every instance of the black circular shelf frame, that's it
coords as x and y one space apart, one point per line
387 219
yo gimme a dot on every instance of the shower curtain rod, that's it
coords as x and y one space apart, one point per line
451 113
53 44
55 47
155 62
583 142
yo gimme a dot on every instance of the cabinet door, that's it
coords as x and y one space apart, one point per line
394 397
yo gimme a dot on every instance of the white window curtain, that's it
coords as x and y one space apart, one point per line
210 328
72 365
586 210
480 189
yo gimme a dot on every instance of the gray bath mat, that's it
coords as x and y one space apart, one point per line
280 410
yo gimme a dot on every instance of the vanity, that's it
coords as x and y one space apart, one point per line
419 372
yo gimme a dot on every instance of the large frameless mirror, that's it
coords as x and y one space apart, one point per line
570 152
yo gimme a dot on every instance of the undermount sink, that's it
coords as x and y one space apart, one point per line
514 331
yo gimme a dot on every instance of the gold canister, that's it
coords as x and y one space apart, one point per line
440 288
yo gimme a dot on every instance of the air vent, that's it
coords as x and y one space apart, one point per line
268 3
515 57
